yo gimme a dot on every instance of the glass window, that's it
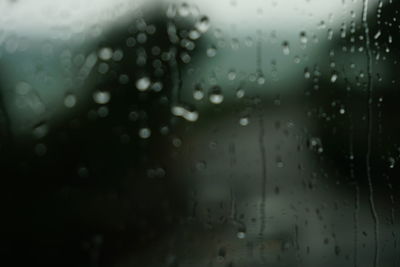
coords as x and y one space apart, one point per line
199 133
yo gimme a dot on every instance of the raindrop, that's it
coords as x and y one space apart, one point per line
211 51
201 165
261 80
241 235
240 93
307 73
171 11
189 114
143 84
101 97
314 143
279 162
83 172
164 130
70 100
123 79
157 86
330 34
244 121
22 88
130 42
220 258
203 24
334 77
141 38
194 35
192 115
232 75
303 38
40 130
392 162
377 35
102 112
185 57
178 110
176 142
216 96
103 68
183 10
285 48
105 53
144 133
198 93
118 55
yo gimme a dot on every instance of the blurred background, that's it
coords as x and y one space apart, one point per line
199 133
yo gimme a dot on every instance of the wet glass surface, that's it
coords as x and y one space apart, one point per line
199 133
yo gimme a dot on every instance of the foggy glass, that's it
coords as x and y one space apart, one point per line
199 133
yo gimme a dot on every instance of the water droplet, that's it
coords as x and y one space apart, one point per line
178 110
102 111
194 35
307 73
144 133
279 162
203 24
330 34
334 77
176 142
232 75
211 51
198 93
105 53
241 235
303 38
141 38
160 172
171 11
216 96
103 68
315 144
201 165
40 130
185 57
189 114
70 100
130 42
184 10
244 121
101 97
220 258
118 55
157 86
83 172
377 35
260 79
240 93
285 48
164 130
392 162
23 88
123 79
143 84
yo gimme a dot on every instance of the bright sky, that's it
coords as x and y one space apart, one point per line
45 16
